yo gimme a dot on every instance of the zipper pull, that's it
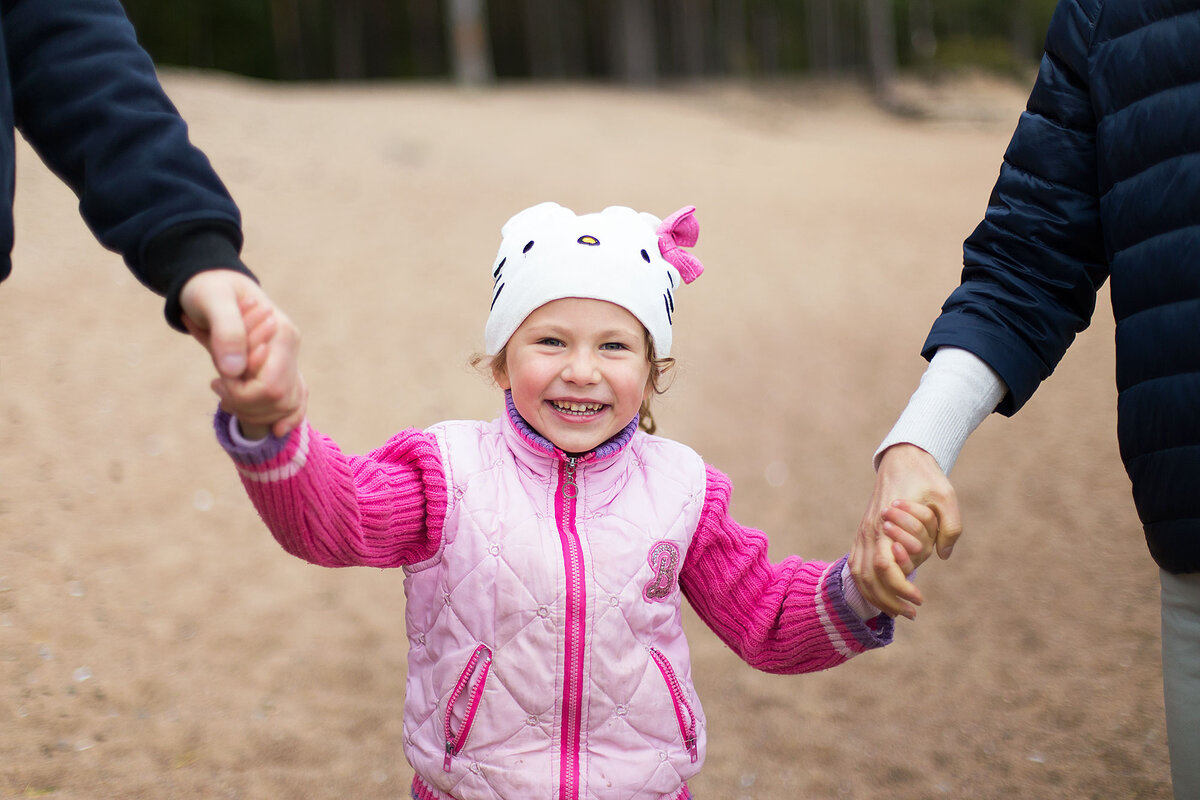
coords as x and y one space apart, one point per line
570 489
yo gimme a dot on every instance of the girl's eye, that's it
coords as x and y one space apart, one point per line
550 342
613 346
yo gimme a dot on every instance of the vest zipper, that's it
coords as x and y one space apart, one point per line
683 710
574 632
455 742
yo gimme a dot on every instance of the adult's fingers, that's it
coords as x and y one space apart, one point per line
950 526
212 305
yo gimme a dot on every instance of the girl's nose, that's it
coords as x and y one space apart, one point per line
581 368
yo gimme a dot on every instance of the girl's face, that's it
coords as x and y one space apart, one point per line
578 371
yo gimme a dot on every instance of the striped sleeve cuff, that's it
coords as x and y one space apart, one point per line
268 460
848 631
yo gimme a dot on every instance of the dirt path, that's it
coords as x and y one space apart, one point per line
156 643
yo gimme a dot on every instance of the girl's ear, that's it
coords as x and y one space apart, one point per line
500 375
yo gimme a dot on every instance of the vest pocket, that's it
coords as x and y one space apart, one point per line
683 710
478 667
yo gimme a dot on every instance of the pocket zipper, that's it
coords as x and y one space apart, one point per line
683 710
481 659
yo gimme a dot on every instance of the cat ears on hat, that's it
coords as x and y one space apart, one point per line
535 217
676 232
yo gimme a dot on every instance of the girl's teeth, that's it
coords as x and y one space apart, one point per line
579 408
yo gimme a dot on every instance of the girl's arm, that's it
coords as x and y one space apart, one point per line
787 617
384 509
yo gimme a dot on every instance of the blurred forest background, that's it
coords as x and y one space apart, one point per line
626 41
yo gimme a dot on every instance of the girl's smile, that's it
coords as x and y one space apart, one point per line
578 371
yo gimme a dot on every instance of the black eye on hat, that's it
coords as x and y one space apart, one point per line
590 241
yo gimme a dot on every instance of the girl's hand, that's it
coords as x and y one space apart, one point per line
909 529
913 529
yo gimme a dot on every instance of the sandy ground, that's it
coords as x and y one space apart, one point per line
156 643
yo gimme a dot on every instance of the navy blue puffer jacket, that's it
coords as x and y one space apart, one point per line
1102 180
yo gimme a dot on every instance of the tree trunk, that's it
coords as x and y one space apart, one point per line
688 36
200 34
379 38
767 44
633 42
425 38
1022 33
920 23
349 26
821 23
472 57
289 39
731 36
554 38
881 50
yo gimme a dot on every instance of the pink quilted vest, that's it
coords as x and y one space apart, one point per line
547 655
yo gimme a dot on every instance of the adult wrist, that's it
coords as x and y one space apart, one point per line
183 251
957 392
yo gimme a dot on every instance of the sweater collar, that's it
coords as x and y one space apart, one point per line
531 437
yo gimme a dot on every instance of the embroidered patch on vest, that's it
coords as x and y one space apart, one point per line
664 560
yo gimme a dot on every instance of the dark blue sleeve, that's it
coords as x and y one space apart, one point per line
87 98
1034 264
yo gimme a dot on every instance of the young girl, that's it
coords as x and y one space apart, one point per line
547 553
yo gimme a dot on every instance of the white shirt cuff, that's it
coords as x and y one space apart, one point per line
956 394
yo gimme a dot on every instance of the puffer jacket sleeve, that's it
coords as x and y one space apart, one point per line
1034 264
788 617
87 98
383 509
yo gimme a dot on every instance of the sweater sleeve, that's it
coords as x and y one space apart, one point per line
87 98
383 509
788 617
957 392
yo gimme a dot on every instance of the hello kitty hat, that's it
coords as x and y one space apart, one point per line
628 258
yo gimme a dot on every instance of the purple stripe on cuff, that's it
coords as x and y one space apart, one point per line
257 453
875 632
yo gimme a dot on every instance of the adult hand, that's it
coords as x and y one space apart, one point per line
906 472
263 383
212 308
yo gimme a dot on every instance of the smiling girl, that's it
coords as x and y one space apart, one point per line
547 553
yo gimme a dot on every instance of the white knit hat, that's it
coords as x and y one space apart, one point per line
628 258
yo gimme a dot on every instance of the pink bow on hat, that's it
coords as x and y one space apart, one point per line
676 232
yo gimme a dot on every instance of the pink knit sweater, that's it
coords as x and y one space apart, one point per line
386 509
